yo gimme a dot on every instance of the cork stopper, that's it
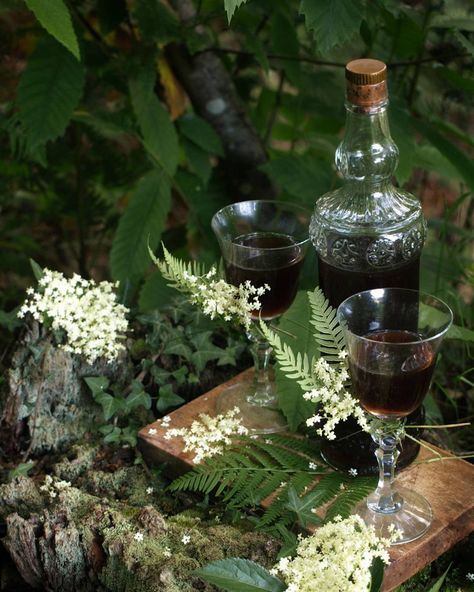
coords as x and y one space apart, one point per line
366 81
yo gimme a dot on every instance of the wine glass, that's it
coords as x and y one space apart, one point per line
392 337
263 241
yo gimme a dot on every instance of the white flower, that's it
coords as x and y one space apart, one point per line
208 435
353 472
312 466
470 577
152 431
166 552
185 539
166 420
149 490
138 536
336 558
86 312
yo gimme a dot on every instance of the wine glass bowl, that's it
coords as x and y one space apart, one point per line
263 242
393 336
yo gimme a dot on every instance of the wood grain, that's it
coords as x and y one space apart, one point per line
447 484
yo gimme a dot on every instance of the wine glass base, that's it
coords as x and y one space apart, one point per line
412 519
256 418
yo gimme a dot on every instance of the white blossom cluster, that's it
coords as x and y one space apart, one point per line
335 403
86 311
208 435
336 558
217 298
54 486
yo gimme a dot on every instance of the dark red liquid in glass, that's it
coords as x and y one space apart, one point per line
338 284
391 382
268 258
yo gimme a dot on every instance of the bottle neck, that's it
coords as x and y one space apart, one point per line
367 153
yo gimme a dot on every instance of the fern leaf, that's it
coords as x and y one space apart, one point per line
143 220
328 333
49 90
303 445
355 491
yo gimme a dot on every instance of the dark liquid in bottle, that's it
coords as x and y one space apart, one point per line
387 382
268 258
338 284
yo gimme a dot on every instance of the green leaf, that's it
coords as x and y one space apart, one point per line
155 293
198 160
334 22
230 7
159 135
240 575
436 587
9 320
376 575
201 133
113 436
49 90
37 270
110 404
155 20
143 221
138 397
285 42
464 41
302 507
205 350
178 346
20 470
167 399
56 19
455 155
301 176
97 384
296 332
461 333
464 22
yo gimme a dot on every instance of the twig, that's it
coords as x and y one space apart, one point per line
439 427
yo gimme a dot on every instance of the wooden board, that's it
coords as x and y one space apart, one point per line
448 485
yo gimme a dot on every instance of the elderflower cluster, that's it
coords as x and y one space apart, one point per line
336 558
217 298
335 403
87 312
54 486
209 435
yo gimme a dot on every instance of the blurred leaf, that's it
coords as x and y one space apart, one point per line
455 80
55 18
430 158
155 21
167 399
159 135
201 133
175 96
376 574
240 575
302 176
462 333
111 13
295 330
9 320
155 293
456 156
230 6
178 346
49 90
141 224
285 42
198 160
436 587
37 270
21 470
333 23
464 41
403 132
463 22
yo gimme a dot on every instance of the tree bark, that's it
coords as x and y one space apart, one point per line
215 98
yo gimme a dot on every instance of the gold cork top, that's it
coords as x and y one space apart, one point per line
366 82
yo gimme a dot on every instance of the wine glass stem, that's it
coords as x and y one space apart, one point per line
263 392
385 499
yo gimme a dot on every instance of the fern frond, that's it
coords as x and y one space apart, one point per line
174 269
328 333
296 367
355 491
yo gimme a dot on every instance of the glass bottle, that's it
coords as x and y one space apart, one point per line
367 233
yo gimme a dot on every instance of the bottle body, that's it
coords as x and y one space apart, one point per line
367 234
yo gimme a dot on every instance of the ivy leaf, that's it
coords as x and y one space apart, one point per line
230 7
21 470
140 225
302 507
138 397
240 575
201 133
54 16
113 436
167 399
205 350
49 90
159 135
97 384
110 404
178 346
334 22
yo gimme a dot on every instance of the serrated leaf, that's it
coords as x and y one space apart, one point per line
54 16
333 23
240 575
159 135
302 176
97 384
49 90
201 133
142 221
231 6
